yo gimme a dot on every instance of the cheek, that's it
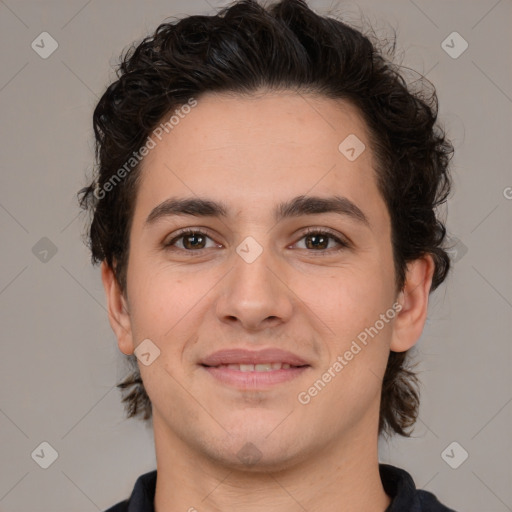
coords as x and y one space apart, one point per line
351 296
156 299
162 303
345 307
165 298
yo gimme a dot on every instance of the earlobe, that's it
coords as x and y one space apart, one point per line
117 308
413 299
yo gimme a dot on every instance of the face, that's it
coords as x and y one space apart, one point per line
262 269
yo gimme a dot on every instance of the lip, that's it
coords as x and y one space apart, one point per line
254 379
244 356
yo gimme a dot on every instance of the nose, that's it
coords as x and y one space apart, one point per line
255 294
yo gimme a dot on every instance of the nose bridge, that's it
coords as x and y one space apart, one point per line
251 267
253 293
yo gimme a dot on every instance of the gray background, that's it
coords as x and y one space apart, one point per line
60 361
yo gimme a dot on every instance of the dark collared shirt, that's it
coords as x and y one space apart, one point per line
397 483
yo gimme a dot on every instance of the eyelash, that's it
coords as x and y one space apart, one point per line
310 231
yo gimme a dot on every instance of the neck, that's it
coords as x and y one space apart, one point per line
341 477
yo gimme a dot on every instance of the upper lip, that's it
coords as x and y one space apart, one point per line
244 356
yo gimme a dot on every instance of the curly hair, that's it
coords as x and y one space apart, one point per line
241 49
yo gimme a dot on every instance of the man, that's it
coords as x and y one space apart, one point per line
264 217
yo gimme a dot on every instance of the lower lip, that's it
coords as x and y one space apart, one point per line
254 379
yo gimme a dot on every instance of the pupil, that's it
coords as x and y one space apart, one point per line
198 240
319 240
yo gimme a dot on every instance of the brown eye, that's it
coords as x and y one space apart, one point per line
190 240
194 241
320 241
317 241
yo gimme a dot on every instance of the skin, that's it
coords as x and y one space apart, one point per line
253 153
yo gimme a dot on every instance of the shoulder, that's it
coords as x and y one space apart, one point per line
429 503
142 496
400 486
122 506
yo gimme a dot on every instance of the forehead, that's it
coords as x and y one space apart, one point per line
235 126
263 148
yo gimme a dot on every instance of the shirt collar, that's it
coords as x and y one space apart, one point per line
143 495
399 486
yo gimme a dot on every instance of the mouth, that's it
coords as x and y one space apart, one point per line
259 376
245 369
258 367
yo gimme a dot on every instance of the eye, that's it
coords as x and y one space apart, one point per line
190 240
318 240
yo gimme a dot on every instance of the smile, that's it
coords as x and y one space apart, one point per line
254 376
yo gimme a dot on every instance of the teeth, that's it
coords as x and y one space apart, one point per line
262 367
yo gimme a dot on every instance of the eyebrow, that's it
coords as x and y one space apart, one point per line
296 207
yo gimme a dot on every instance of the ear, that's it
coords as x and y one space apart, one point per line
410 321
117 308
